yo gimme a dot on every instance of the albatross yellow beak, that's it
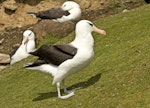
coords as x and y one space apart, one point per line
25 40
97 30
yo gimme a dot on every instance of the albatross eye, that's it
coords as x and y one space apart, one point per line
91 24
64 5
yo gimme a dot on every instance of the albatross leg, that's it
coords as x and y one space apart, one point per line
65 88
59 94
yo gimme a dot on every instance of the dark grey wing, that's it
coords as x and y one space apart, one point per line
53 13
70 50
13 51
55 54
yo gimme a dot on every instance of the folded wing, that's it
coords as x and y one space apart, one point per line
54 54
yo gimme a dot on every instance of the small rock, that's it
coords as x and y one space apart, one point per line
4 58
10 8
15 45
138 51
1 41
125 10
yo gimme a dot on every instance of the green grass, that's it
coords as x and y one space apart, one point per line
118 77
49 39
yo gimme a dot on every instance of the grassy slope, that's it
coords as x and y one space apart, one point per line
118 77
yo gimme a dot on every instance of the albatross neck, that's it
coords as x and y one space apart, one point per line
84 40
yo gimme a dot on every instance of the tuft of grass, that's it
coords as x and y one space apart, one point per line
118 77
49 39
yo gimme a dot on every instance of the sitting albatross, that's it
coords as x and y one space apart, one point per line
69 11
62 60
27 45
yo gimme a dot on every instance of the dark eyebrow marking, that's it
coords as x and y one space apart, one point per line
90 24
30 34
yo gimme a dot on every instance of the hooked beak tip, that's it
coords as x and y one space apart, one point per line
103 32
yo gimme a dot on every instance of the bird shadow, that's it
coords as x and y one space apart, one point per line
82 85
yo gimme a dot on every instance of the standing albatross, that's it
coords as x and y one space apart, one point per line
62 60
69 11
27 45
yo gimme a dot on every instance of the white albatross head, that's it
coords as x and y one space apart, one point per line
88 26
27 36
69 5
73 8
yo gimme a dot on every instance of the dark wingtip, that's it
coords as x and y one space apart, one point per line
33 53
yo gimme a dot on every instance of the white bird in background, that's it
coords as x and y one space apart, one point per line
27 45
69 11
63 60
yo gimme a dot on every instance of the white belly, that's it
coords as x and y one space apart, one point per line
82 59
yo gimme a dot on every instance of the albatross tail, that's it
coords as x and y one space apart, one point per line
32 14
46 68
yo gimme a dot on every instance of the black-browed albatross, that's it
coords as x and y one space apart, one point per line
27 45
63 60
69 11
